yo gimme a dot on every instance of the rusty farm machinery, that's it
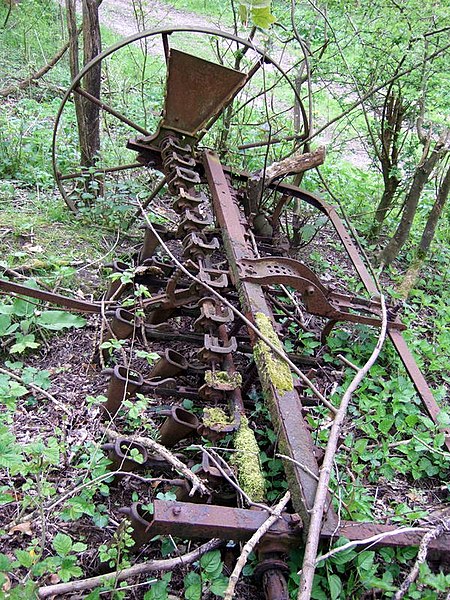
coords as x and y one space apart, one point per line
214 293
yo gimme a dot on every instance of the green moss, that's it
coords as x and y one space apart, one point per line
222 379
275 370
247 462
212 417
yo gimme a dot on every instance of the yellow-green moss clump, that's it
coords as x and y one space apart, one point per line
274 369
246 459
212 417
223 379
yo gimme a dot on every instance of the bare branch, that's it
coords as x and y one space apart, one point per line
252 542
312 542
148 567
422 556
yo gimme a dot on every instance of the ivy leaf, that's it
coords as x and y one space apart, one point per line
58 319
62 544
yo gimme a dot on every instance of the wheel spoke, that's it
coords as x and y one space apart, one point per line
134 165
110 110
165 41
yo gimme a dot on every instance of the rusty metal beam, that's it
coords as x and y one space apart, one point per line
7 287
415 374
204 521
285 406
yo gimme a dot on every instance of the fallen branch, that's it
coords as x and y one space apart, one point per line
153 565
252 542
312 542
370 541
25 83
294 164
422 556
197 483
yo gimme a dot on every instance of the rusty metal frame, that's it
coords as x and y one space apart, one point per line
394 331
285 406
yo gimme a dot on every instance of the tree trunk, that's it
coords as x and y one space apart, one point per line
90 134
391 126
427 236
87 113
421 176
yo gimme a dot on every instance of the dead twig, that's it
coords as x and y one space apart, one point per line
431 535
252 542
148 567
197 483
312 542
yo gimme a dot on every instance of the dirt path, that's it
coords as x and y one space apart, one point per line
120 17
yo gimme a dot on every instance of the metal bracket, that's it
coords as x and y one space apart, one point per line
318 299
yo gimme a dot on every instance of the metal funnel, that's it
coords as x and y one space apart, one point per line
196 91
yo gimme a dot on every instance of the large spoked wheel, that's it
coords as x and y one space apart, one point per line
133 76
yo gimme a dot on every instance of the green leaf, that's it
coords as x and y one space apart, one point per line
364 560
62 544
158 591
51 452
211 562
79 547
58 319
6 325
192 586
335 585
219 586
243 14
5 562
40 378
25 558
386 424
23 342
69 571
262 17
